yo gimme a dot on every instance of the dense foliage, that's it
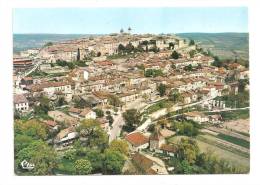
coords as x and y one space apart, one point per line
132 119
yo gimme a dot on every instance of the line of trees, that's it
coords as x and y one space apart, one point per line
190 160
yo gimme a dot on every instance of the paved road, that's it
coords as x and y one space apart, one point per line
149 121
116 127
228 109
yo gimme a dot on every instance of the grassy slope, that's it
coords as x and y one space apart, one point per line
225 45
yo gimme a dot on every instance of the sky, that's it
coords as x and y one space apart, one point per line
141 20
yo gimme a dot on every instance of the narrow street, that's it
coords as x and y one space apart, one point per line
116 127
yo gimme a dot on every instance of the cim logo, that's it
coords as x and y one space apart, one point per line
26 165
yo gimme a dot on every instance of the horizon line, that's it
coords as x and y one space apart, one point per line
119 33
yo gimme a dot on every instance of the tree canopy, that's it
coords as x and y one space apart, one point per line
153 73
132 118
32 128
41 155
114 101
92 134
192 42
120 146
83 167
113 162
161 88
188 150
175 55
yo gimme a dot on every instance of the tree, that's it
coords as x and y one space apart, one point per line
98 54
161 88
153 72
21 141
192 53
121 48
70 155
32 128
61 63
43 107
61 101
92 134
83 167
175 97
114 101
188 67
110 119
96 159
80 103
48 44
217 62
78 54
41 155
171 45
173 66
186 167
242 85
113 162
175 55
132 118
192 42
129 48
71 65
99 113
120 146
188 150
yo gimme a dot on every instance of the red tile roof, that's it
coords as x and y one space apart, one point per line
168 148
50 123
137 139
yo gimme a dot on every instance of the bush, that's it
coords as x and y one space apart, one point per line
99 113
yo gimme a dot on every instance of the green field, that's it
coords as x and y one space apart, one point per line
224 45
234 140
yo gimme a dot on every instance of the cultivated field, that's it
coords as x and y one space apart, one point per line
240 125
234 157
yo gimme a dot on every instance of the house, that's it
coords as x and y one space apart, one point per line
26 81
167 149
187 97
137 141
66 136
21 103
63 118
87 113
51 124
50 88
75 112
166 133
196 116
149 165
156 140
216 118
101 97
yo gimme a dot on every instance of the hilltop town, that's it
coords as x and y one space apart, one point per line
129 104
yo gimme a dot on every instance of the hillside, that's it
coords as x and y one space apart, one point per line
27 41
225 45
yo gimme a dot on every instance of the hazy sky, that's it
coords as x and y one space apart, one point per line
141 20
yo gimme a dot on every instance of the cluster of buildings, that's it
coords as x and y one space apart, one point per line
106 45
104 79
